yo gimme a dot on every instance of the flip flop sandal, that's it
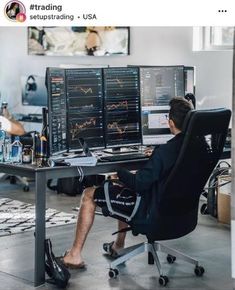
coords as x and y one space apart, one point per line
81 265
107 247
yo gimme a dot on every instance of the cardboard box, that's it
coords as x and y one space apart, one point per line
224 199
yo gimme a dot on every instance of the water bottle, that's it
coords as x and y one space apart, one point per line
7 149
2 139
16 151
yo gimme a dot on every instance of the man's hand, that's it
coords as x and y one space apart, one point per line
148 151
113 176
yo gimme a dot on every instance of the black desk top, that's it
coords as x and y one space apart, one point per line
28 170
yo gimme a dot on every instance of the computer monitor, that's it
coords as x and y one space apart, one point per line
158 85
57 110
85 107
33 90
122 106
189 79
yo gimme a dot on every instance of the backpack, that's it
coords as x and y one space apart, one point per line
69 185
55 269
73 186
210 207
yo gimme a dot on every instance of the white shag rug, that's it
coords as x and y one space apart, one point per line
18 217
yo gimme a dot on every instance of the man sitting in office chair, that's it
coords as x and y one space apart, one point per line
123 198
8 124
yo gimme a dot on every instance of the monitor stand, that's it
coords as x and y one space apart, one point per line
120 150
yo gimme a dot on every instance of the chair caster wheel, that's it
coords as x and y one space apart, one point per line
203 209
199 271
26 188
163 280
170 259
113 273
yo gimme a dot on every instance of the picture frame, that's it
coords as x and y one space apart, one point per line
79 41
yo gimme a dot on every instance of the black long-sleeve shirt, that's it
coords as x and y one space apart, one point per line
157 168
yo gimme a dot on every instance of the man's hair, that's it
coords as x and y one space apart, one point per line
179 107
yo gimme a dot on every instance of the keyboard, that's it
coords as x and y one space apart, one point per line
123 157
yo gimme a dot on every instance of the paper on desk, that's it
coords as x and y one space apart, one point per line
82 161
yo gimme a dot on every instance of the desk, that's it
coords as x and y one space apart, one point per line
41 176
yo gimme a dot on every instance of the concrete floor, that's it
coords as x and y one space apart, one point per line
210 243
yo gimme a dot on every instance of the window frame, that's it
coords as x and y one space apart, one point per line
202 40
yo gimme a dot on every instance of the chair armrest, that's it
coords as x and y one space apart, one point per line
109 206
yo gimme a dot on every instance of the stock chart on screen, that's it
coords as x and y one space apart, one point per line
122 106
85 107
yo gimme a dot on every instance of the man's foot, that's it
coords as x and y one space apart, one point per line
112 249
72 261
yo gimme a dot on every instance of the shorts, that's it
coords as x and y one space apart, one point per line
122 199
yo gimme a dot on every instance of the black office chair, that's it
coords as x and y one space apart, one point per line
173 212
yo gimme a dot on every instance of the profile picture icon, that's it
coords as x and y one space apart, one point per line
15 11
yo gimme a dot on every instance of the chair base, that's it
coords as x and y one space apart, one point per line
14 179
152 249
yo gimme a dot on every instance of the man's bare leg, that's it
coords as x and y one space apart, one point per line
120 239
84 222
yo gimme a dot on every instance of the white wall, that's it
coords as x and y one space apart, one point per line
149 45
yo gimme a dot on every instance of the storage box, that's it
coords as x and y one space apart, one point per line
224 199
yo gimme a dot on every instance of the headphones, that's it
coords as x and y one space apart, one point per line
191 97
31 84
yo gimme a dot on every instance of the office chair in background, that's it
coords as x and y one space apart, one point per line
173 212
14 179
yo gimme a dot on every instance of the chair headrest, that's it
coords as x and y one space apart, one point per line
205 114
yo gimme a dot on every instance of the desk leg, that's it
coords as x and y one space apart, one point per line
39 259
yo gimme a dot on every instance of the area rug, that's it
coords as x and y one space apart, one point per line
18 217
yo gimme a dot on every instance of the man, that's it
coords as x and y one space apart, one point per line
144 181
9 125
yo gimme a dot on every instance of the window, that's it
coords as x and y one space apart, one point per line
213 38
